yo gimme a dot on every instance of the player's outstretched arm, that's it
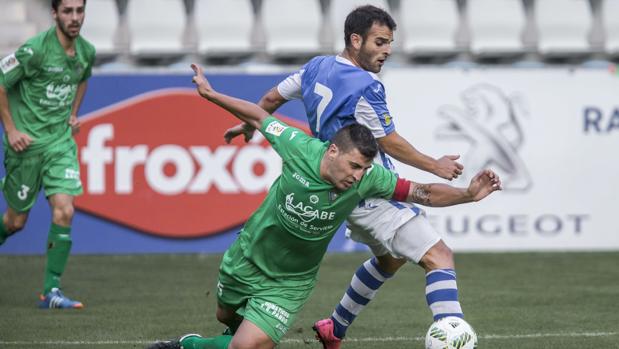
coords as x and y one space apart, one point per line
270 102
399 148
439 195
244 110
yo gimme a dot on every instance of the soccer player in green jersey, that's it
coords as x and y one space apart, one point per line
269 272
41 88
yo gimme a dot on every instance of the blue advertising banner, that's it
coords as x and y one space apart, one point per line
157 174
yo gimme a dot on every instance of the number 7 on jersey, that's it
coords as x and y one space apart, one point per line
326 94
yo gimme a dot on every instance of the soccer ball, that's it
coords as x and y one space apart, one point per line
451 333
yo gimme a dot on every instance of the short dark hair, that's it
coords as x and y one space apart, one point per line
361 19
356 136
56 3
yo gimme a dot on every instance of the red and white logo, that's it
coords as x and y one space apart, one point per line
158 163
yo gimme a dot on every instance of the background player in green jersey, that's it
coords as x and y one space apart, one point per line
41 88
269 272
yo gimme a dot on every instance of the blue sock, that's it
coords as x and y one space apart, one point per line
442 293
362 289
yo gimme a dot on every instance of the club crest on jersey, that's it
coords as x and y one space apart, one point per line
333 196
79 69
387 119
275 128
9 63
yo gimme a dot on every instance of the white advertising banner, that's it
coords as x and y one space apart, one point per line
551 134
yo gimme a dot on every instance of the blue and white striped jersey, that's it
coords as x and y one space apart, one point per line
336 93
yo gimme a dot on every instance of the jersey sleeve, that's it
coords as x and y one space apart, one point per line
287 141
372 111
23 63
290 88
90 61
378 182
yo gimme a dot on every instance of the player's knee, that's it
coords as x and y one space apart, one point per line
390 264
439 256
15 225
247 342
63 214
222 316
226 317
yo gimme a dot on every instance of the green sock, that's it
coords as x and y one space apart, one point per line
3 233
58 249
196 342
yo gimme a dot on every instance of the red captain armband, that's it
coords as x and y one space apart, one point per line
402 187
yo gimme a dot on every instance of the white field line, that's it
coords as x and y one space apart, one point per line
355 340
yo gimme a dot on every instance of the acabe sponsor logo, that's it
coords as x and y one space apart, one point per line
158 163
306 212
58 95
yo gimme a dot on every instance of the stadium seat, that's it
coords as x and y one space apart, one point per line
14 11
292 27
611 24
340 9
157 28
100 26
496 27
563 27
224 27
429 27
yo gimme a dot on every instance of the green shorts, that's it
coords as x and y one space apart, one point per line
56 170
272 305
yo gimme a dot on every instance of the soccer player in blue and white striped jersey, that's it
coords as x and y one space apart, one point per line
343 89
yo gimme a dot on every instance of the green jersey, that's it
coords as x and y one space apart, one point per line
41 82
289 233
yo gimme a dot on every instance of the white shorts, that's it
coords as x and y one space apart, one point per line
398 228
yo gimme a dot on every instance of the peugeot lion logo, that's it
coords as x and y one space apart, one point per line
490 122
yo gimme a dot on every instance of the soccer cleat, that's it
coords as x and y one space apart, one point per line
324 333
171 344
55 299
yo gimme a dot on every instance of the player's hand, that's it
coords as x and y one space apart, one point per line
448 167
241 129
483 184
75 124
202 84
18 141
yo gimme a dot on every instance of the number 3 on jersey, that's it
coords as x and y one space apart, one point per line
326 94
23 193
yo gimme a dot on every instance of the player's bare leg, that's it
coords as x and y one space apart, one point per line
438 256
62 209
389 263
12 222
249 336
228 317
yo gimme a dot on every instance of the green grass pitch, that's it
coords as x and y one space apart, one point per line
514 300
